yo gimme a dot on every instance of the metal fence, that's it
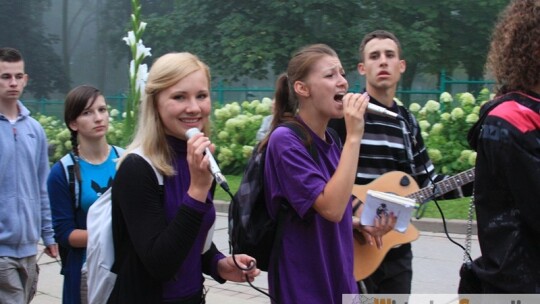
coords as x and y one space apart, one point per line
222 94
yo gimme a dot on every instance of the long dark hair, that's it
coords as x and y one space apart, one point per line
286 102
75 103
513 57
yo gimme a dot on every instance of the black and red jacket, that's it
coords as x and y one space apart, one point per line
507 194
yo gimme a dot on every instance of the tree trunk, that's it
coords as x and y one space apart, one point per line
66 58
475 73
407 80
101 45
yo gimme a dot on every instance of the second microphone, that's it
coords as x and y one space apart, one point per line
213 166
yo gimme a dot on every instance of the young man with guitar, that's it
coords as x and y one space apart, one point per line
392 149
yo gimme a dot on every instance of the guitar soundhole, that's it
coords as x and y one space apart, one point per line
404 182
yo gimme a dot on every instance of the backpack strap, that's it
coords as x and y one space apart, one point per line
335 137
117 151
304 135
68 163
159 176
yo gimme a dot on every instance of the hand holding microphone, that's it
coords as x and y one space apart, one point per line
378 110
213 166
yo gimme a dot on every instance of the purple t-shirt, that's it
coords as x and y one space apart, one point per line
188 279
316 260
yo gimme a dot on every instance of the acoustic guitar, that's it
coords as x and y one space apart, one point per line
368 258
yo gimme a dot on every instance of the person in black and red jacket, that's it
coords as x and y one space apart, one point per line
507 185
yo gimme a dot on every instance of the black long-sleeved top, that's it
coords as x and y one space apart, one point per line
507 196
149 249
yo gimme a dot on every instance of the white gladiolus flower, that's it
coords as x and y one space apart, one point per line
142 76
142 51
130 39
142 26
132 68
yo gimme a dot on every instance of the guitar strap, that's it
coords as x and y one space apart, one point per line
409 136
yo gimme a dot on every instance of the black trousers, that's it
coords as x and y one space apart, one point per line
394 275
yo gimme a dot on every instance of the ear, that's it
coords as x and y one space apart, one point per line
25 80
73 126
402 66
361 68
301 88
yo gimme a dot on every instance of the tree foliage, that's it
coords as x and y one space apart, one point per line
22 28
252 38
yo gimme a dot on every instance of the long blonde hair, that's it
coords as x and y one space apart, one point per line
150 136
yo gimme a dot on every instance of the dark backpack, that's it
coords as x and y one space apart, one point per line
251 229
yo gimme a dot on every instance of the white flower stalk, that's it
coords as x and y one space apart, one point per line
138 72
142 76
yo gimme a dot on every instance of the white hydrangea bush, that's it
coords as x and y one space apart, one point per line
234 128
445 124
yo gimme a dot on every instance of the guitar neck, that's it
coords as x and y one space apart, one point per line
444 186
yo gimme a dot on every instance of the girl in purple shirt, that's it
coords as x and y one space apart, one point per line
159 234
315 263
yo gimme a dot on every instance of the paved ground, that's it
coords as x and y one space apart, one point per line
436 265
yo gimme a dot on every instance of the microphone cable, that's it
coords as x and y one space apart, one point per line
253 262
423 204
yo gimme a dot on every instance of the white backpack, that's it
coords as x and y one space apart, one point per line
100 247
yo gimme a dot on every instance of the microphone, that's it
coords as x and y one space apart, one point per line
213 166
375 109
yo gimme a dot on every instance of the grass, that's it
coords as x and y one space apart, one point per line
452 209
234 182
